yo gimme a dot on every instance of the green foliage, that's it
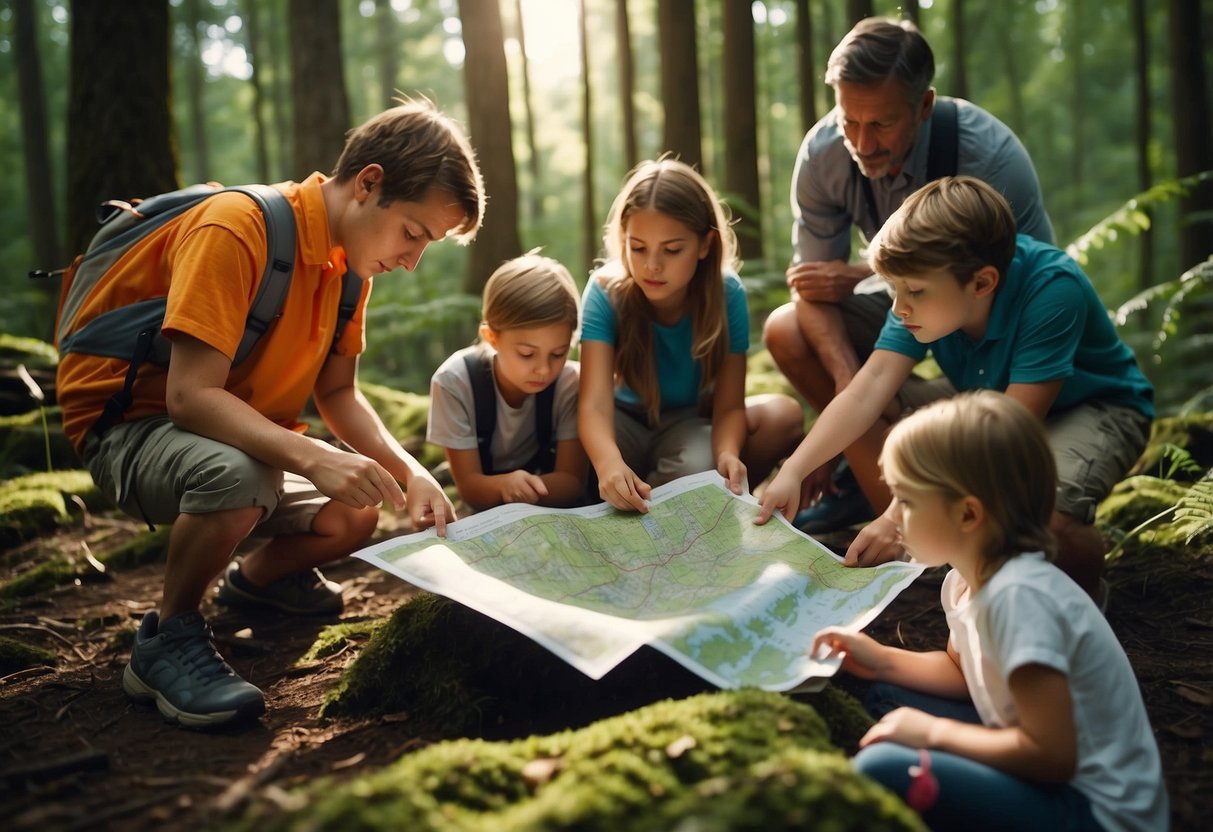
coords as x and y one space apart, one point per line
720 761
34 504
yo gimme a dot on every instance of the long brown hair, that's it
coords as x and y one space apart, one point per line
675 189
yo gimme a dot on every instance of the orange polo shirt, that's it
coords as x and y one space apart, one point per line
209 263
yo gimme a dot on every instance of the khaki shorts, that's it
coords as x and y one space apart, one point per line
154 470
1094 446
680 445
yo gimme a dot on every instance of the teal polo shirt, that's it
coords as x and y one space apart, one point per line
1046 323
678 372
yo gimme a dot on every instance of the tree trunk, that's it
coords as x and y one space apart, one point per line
40 212
807 71
741 127
1141 42
857 10
196 90
322 109
117 152
1011 53
488 101
1078 107
256 52
278 49
589 213
910 11
388 43
680 80
627 83
960 81
535 203
1190 109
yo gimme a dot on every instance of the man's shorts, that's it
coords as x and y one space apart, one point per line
153 470
1094 446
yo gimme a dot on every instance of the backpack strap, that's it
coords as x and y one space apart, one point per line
351 292
279 264
544 460
943 152
484 399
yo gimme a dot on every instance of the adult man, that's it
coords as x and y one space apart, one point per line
207 446
853 170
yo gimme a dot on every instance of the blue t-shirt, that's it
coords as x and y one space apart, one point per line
1046 323
678 374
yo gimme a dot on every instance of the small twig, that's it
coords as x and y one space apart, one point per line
42 629
18 675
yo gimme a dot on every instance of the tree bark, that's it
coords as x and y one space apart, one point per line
1078 107
388 43
857 10
41 215
321 106
117 152
534 204
1190 109
741 127
680 80
960 79
196 87
627 83
252 22
589 213
488 101
806 66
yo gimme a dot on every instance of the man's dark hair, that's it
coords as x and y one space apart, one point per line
878 49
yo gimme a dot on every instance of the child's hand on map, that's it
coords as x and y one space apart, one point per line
733 470
862 655
620 487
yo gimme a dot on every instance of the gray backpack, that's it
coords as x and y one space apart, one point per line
132 332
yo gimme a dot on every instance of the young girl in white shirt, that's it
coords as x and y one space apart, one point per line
1064 741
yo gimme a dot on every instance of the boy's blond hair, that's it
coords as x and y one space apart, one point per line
957 224
987 445
675 189
530 291
418 148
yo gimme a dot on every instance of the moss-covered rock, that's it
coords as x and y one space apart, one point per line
1137 500
458 673
24 438
17 655
36 503
333 638
722 761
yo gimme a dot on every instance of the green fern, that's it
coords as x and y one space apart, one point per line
1177 461
1194 511
1133 217
1174 293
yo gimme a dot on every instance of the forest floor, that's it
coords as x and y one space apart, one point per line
75 754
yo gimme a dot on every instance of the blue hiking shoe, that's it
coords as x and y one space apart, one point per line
845 507
179 669
302 593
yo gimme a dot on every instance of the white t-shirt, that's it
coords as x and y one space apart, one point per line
1030 612
452 422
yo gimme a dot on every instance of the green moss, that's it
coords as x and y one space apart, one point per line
1137 499
149 547
17 655
46 575
29 351
845 715
23 443
335 637
736 760
34 504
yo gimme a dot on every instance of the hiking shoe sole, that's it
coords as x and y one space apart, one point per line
139 691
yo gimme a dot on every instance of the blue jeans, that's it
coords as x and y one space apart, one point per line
971 795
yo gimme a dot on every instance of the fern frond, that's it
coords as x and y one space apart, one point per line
1194 511
1133 216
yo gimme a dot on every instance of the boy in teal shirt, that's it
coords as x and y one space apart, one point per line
997 311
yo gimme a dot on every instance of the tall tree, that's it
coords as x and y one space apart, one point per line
911 12
487 88
39 193
1190 110
278 60
680 80
256 52
1075 49
321 106
741 126
806 66
627 83
117 152
857 10
195 89
388 45
1141 60
535 201
589 213
960 80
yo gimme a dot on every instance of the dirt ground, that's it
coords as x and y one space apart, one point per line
75 754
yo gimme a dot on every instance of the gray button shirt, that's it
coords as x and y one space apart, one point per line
828 198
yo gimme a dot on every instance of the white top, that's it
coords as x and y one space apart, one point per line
452 422
1030 612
